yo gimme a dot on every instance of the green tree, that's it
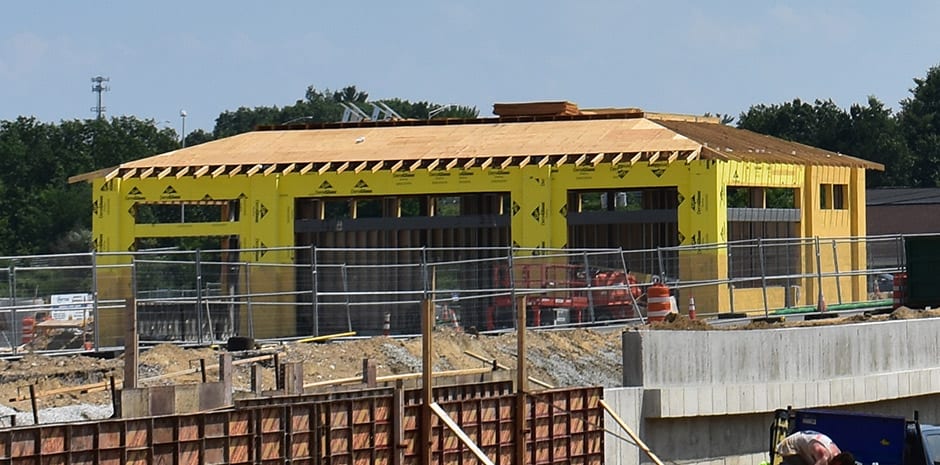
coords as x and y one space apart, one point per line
920 124
876 135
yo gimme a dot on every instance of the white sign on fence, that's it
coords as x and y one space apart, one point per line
70 306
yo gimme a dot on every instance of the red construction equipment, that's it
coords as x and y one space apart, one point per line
568 295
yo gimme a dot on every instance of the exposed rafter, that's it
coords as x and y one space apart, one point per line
451 164
343 167
376 167
580 161
692 155
655 156
290 168
182 172
324 168
129 173
166 172
561 160
672 157
270 169
469 164
433 164
617 158
545 160
525 161
597 159
505 163
306 169
397 166
486 164
201 171
636 158
414 166
147 172
218 171
235 170
112 174
253 170
360 167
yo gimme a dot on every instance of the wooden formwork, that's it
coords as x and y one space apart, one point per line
376 426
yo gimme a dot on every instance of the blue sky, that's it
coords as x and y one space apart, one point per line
669 56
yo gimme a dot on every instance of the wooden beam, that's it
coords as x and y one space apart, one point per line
166 172
434 164
397 166
561 160
617 158
580 161
654 157
451 164
415 165
376 167
218 171
636 439
182 172
505 163
545 160
636 158
129 173
112 174
254 169
147 172
237 169
525 161
486 164
469 164
201 171
597 159
343 167
693 155
270 169
290 168
672 157
306 168
360 167
324 168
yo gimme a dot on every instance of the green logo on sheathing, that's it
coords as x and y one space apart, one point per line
361 188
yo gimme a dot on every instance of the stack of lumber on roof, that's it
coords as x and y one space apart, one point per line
536 109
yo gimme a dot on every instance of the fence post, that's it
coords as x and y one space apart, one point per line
662 264
730 278
820 298
15 321
94 300
345 276
512 289
763 275
313 290
251 312
835 263
199 296
587 281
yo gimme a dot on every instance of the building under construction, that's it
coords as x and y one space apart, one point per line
538 176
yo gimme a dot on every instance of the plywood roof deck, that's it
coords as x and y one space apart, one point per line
604 135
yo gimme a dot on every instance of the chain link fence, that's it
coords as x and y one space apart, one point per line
80 301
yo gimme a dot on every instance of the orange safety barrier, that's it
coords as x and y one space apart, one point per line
29 324
658 304
900 289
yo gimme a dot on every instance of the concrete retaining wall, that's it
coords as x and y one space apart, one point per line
708 396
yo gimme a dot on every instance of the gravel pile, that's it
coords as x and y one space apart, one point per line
71 413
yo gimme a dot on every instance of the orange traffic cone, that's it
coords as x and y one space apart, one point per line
691 308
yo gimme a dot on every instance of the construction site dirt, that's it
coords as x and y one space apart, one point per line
569 357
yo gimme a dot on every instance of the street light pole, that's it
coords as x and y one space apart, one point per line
183 135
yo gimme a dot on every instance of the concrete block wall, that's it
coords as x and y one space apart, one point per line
708 396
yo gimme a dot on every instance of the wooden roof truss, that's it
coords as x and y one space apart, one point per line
429 164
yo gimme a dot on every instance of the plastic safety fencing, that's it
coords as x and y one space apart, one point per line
80 301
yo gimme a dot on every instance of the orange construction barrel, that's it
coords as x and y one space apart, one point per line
28 325
658 304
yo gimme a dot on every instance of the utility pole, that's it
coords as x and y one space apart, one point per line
99 88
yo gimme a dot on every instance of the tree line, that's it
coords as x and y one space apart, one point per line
40 212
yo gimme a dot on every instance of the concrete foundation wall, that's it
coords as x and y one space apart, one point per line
708 396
